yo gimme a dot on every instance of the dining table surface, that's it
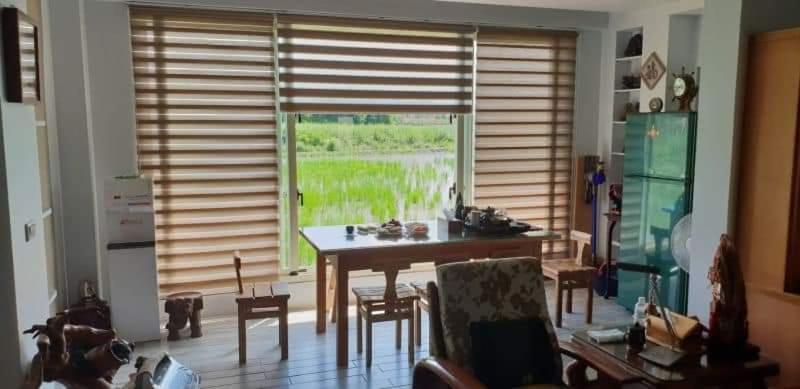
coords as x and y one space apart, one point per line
390 254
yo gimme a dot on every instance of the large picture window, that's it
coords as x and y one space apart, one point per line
386 100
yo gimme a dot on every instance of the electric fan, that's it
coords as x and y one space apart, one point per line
679 241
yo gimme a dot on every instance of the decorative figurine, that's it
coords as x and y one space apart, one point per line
634 46
615 195
728 320
76 356
90 310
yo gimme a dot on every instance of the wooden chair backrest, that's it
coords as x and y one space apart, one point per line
237 264
583 249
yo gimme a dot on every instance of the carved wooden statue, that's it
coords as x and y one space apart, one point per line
77 356
182 308
728 320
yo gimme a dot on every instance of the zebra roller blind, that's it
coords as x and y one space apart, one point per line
523 126
356 65
205 109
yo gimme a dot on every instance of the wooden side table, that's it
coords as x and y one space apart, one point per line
692 373
183 307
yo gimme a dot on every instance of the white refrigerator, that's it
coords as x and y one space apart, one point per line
132 271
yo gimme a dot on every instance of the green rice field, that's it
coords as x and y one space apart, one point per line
353 174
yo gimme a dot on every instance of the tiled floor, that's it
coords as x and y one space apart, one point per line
312 357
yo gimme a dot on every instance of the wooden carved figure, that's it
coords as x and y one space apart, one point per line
728 319
77 356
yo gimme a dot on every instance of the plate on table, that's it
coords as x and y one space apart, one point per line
390 231
367 229
417 229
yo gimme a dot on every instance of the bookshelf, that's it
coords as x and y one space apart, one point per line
626 98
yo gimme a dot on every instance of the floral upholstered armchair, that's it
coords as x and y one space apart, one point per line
490 328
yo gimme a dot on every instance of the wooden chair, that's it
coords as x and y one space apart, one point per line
371 306
572 273
421 304
266 300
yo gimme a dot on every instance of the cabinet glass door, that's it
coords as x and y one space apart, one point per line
660 145
652 208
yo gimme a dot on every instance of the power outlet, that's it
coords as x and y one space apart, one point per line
30 231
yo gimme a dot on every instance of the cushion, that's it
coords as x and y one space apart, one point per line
490 290
512 353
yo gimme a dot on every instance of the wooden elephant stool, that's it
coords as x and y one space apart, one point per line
183 307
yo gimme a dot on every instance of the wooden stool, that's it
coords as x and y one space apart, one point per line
371 306
263 301
572 273
421 304
184 307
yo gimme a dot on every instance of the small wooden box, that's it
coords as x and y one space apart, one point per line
450 225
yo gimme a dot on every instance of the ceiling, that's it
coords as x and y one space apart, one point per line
582 5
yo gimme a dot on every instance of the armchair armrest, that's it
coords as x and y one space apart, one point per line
609 375
434 373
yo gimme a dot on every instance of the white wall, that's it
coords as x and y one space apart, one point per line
99 139
727 25
76 153
24 281
417 10
111 98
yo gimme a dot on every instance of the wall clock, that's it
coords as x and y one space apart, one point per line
684 89
656 104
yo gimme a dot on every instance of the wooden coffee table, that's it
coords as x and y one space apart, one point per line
699 373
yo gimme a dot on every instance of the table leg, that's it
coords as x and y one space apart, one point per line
559 302
341 315
569 298
321 293
283 330
242 338
536 251
589 301
411 341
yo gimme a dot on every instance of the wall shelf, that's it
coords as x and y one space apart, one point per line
619 122
633 90
633 58
618 153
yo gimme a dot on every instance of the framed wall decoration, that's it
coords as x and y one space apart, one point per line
652 70
20 56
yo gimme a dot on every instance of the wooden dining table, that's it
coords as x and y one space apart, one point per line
391 254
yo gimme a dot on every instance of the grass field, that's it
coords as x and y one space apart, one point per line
371 174
350 138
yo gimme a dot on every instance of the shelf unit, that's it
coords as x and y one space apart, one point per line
625 99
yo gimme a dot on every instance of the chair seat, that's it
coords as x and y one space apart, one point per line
374 294
554 267
265 291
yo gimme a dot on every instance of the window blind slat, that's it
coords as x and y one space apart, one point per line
205 109
352 65
523 130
